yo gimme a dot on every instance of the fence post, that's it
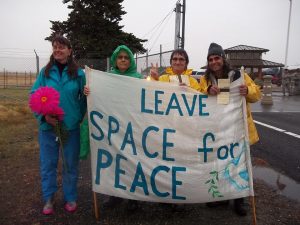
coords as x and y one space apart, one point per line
37 63
4 81
160 56
147 62
17 78
1 76
25 79
136 62
107 64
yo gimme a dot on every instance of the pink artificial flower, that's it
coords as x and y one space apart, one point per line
44 100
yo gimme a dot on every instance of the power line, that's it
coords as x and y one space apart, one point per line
17 57
159 23
20 50
159 34
157 27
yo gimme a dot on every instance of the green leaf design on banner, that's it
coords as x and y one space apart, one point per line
213 185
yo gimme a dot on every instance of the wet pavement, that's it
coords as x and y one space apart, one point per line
280 181
281 103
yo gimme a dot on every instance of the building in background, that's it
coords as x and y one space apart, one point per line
250 58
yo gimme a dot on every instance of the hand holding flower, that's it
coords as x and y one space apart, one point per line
51 119
45 101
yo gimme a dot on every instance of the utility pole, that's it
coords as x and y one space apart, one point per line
160 56
179 39
288 36
177 25
183 25
285 79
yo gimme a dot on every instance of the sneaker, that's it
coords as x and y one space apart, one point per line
71 206
48 207
239 207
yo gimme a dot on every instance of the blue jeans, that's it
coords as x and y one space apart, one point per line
49 155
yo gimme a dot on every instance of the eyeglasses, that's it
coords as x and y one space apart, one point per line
178 59
215 58
125 57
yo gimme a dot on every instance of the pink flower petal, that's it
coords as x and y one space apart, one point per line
43 100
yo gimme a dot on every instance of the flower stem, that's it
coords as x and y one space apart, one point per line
61 145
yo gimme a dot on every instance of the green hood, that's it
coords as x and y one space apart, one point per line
131 72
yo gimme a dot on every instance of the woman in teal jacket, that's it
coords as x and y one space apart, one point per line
64 75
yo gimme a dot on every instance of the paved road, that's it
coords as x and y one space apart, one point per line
279 147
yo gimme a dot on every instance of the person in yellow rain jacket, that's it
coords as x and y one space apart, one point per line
217 68
177 72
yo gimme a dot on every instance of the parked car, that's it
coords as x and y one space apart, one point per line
276 80
276 74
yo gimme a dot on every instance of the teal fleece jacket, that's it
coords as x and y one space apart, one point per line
72 99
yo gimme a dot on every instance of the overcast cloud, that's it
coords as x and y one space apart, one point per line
258 23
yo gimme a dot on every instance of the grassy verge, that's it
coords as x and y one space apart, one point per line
17 123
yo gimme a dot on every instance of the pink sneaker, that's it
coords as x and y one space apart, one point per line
71 207
48 208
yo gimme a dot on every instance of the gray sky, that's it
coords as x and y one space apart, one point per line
259 23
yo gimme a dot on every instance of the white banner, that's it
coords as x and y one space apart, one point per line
156 141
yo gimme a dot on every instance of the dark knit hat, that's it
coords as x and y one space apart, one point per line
215 49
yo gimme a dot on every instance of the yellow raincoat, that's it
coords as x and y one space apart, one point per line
253 95
169 72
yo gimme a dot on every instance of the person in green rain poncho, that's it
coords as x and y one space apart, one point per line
122 63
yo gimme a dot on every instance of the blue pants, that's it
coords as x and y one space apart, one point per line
49 155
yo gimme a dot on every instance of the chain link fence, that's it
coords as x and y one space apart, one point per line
143 62
22 72
17 79
17 72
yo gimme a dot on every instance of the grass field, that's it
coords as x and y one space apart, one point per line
14 93
18 154
16 120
